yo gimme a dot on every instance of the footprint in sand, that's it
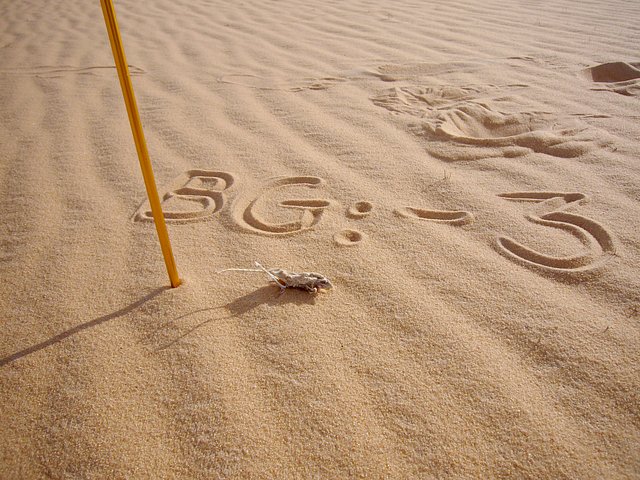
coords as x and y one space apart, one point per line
450 217
460 127
551 213
617 77
247 210
473 131
194 195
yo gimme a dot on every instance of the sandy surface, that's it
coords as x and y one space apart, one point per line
466 173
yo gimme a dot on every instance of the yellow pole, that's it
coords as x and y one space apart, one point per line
138 137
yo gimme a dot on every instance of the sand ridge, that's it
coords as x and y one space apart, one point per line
465 173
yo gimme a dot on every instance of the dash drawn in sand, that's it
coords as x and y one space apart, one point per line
450 217
551 213
245 209
194 195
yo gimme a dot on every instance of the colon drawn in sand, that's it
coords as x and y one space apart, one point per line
552 213
193 195
349 237
247 210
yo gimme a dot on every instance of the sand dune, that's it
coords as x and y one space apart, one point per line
466 174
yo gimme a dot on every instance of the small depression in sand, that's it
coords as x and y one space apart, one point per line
360 209
617 77
614 72
348 237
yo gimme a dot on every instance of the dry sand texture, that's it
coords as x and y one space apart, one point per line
467 174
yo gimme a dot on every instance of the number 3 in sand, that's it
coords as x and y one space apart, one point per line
551 213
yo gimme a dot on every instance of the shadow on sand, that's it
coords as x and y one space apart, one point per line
83 326
267 295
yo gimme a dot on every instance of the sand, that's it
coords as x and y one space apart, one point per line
466 173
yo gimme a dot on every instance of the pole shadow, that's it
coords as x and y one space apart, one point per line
79 328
